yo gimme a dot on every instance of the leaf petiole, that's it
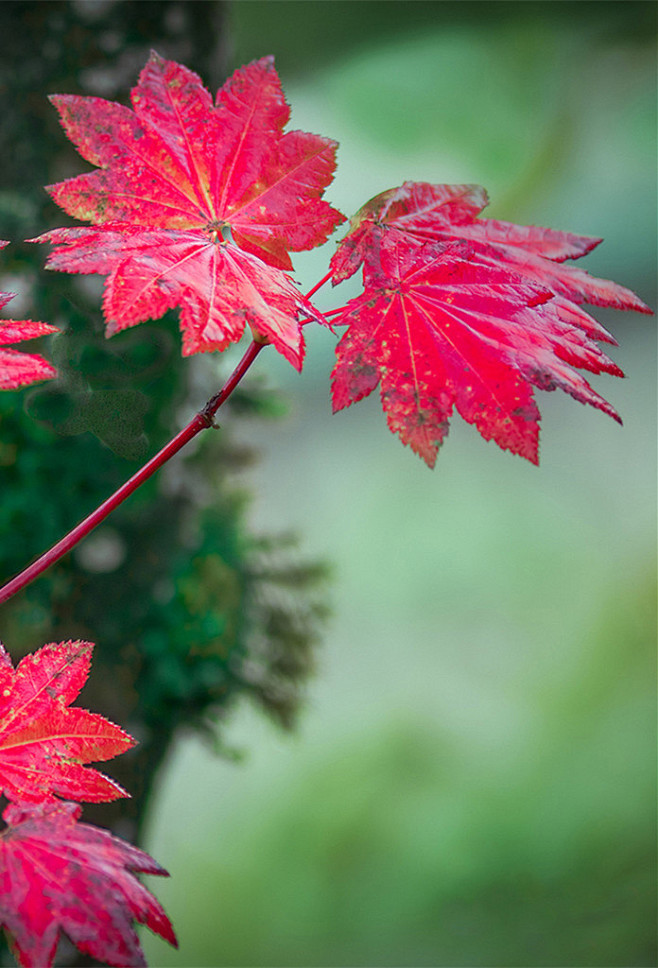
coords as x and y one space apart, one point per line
319 285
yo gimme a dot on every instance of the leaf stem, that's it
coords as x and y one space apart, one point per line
201 421
318 285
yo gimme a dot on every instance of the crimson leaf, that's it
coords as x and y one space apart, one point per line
197 205
60 875
465 313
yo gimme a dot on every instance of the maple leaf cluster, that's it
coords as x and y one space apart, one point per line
197 203
57 874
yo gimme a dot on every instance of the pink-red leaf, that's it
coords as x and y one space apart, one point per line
18 369
192 196
440 327
60 875
466 312
44 744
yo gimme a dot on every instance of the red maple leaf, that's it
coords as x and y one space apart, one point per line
440 326
16 368
43 743
467 313
60 875
197 205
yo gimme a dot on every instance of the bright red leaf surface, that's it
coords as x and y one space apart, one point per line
439 327
16 368
197 204
466 313
60 875
44 744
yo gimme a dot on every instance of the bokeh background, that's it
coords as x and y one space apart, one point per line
472 781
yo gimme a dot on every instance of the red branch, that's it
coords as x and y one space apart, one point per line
201 421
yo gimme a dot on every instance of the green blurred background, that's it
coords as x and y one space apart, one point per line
472 782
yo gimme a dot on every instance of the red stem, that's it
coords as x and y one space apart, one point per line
319 285
201 421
